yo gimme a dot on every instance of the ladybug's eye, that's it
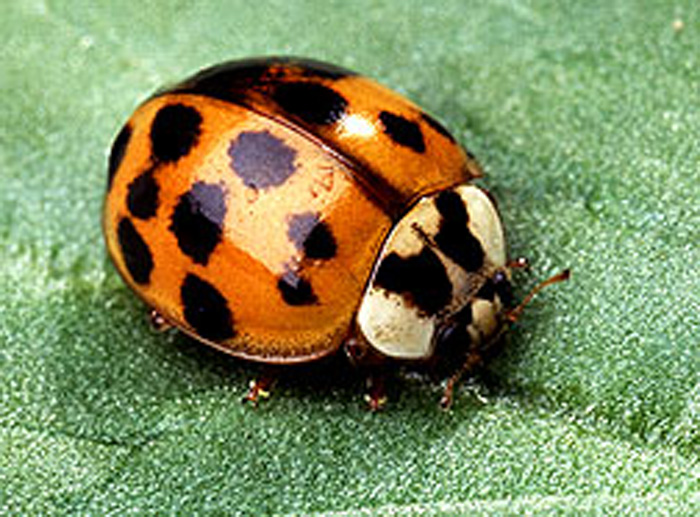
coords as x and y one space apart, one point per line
503 287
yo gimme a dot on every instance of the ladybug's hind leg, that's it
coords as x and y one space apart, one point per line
260 388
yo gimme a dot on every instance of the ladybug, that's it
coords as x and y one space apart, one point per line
281 209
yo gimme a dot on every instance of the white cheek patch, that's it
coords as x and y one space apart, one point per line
484 320
393 328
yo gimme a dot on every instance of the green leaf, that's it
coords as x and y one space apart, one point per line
585 116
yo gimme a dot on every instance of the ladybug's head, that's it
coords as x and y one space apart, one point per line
441 278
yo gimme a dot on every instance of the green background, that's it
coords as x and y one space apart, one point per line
586 118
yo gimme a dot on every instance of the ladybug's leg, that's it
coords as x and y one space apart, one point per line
474 357
376 391
260 388
472 361
158 322
361 355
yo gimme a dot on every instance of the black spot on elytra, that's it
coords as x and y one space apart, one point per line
311 236
142 196
117 153
296 290
197 220
454 238
174 132
205 309
137 256
261 160
311 102
230 81
234 80
437 126
299 227
420 278
320 244
403 131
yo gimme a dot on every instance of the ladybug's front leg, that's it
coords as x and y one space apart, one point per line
365 358
472 361
375 396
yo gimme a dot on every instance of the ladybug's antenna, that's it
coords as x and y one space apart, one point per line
513 314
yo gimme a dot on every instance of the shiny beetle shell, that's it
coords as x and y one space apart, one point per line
276 208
